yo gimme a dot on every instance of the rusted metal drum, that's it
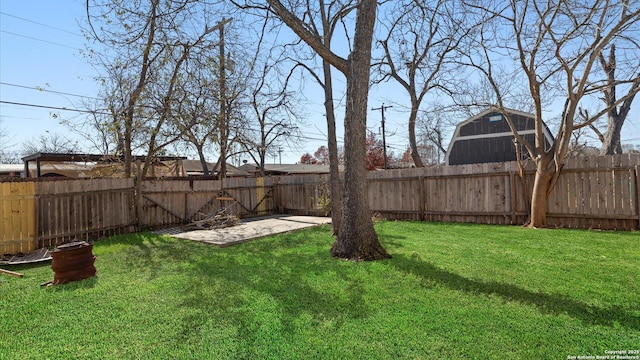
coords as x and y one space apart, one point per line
72 262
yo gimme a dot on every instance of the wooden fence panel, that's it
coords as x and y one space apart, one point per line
301 194
204 199
170 202
600 195
592 192
17 223
251 196
83 209
163 202
396 198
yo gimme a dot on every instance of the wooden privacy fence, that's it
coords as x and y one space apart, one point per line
45 213
83 209
592 192
303 194
176 201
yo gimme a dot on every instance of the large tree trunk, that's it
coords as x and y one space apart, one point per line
357 239
336 189
415 154
203 160
542 185
612 144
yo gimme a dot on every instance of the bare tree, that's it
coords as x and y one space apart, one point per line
356 239
579 144
272 109
555 46
4 136
101 123
616 113
50 143
196 118
420 46
4 142
8 155
150 42
432 128
223 84
324 19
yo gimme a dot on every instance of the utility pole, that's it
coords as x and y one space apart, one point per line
280 154
384 141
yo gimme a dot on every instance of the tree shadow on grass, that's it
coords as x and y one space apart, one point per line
146 254
84 284
216 289
555 304
288 280
391 242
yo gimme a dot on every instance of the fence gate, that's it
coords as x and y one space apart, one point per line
17 217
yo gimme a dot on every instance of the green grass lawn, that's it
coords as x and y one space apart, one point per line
450 291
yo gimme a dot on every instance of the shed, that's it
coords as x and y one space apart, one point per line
487 137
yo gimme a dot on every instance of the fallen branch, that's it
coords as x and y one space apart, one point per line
12 273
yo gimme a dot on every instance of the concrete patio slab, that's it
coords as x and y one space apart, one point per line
248 229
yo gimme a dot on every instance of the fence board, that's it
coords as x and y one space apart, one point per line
83 209
17 233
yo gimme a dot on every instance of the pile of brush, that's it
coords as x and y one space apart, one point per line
218 220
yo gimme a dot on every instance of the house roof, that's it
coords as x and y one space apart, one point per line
496 109
11 167
75 157
42 157
194 167
50 169
493 109
288 169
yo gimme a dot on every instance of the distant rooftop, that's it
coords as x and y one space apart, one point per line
73 157
288 169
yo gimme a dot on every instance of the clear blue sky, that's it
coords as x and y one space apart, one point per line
40 47
40 44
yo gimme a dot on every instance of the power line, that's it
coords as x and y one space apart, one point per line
97 112
52 107
36 39
18 117
46 90
41 24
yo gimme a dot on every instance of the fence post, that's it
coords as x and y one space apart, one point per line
513 201
138 195
36 215
638 194
423 196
